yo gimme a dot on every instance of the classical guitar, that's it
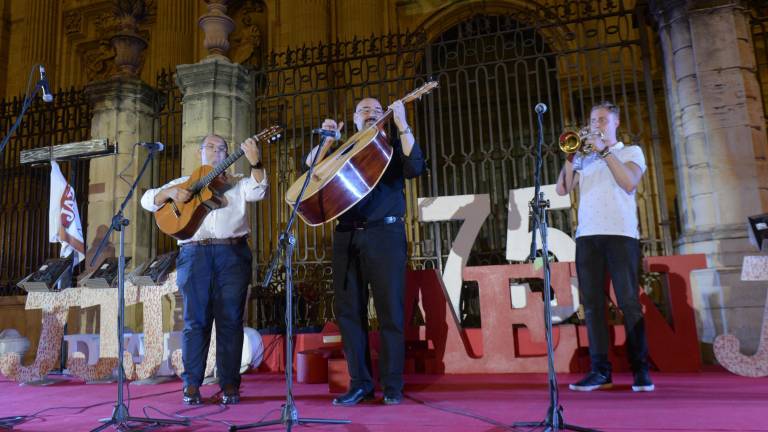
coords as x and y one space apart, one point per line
348 174
207 188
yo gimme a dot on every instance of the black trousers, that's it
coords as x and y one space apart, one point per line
620 256
375 256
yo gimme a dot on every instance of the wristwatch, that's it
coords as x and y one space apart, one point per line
406 131
258 165
605 152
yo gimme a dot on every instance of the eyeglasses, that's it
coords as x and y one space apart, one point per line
214 149
367 110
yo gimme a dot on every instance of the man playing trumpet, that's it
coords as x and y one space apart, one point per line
607 238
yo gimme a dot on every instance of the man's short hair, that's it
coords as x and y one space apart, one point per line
607 105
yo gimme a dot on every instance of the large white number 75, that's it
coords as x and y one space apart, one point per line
518 234
473 210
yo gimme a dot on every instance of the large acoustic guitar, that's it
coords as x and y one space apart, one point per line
347 175
207 188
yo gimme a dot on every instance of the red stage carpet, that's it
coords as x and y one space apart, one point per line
711 401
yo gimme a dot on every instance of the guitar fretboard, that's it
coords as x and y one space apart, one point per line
220 168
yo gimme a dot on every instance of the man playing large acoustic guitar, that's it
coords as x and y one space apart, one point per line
213 271
369 247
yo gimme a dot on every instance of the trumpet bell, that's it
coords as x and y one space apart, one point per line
574 140
570 142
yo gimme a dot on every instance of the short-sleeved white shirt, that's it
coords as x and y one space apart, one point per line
604 207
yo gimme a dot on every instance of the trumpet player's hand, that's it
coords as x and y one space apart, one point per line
598 144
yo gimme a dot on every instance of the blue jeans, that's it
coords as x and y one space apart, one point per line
214 284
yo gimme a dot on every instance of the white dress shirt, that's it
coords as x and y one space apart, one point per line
604 207
229 221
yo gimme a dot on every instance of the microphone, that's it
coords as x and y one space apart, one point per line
540 108
327 133
152 146
47 96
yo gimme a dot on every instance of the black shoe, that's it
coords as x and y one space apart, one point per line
393 399
192 395
231 395
354 396
593 381
642 382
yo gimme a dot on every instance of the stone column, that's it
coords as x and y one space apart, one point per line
314 16
360 18
123 111
172 34
40 33
719 144
5 35
217 98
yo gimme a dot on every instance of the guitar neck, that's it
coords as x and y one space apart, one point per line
220 168
410 97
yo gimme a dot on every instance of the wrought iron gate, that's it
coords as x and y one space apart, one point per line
24 189
167 164
478 128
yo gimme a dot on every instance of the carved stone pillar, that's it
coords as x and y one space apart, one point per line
719 144
217 98
123 111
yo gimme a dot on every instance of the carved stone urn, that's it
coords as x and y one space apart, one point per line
217 26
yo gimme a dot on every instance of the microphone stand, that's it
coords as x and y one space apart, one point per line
538 213
289 415
28 98
120 416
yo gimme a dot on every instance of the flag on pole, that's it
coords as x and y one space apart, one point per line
63 218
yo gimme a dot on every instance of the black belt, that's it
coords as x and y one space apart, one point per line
361 225
215 241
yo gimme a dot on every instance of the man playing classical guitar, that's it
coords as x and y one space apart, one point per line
214 270
369 247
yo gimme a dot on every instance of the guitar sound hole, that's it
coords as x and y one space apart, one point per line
347 150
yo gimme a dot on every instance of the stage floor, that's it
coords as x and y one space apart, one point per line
710 401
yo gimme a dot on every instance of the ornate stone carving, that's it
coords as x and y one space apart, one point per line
98 61
128 49
127 42
217 27
247 39
73 22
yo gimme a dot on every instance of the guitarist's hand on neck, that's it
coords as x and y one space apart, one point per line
252 153
406 136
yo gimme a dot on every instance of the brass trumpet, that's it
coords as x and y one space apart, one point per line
575 140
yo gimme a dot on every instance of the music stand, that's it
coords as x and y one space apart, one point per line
289 415
120 416
538 206
48 276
